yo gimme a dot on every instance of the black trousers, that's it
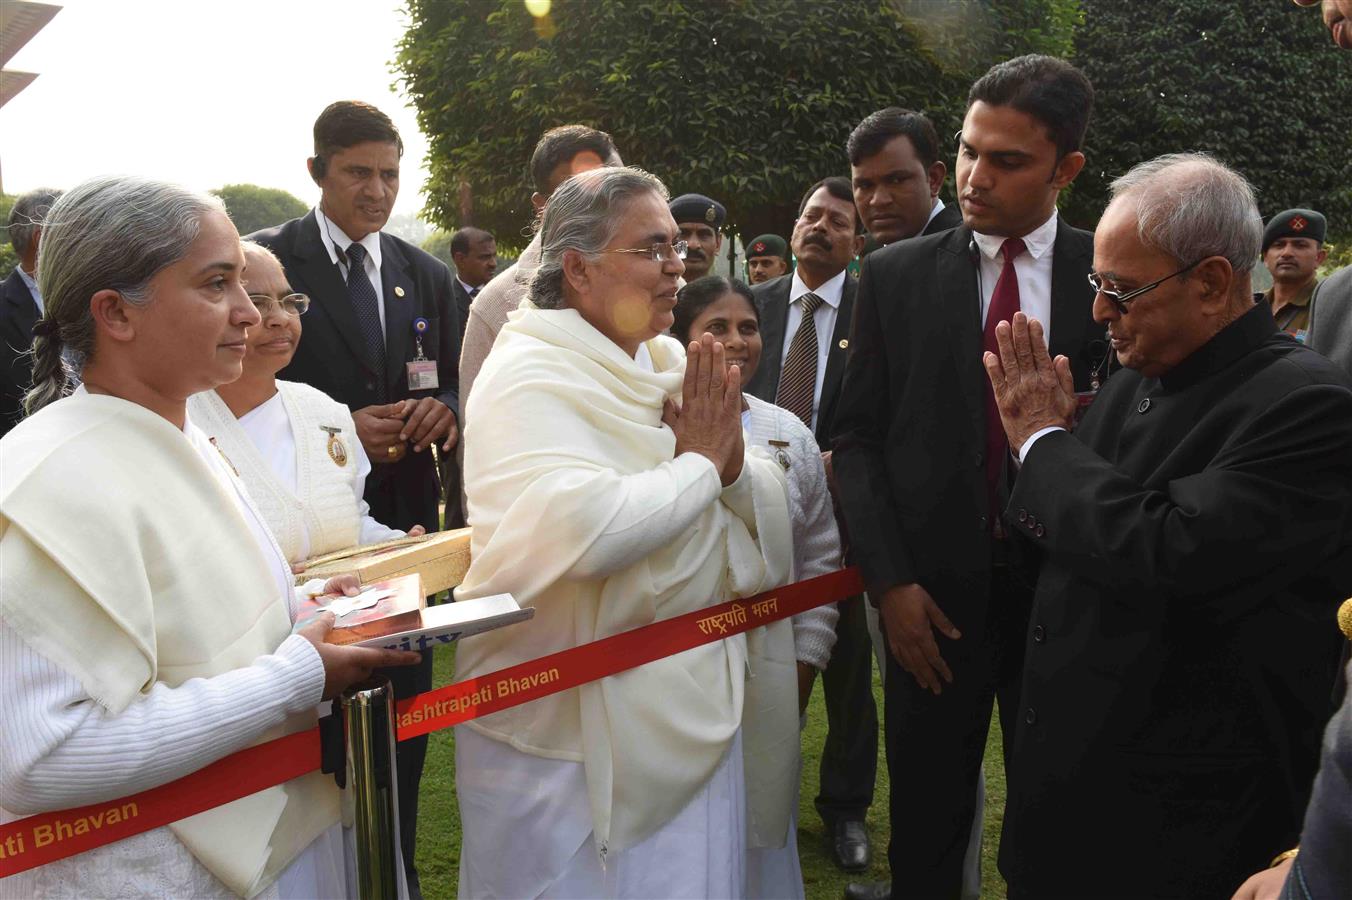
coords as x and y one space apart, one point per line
849 763
935 744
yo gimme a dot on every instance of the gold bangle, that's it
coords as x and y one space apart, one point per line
1283 857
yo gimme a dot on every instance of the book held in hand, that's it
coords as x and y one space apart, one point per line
392 613
449 622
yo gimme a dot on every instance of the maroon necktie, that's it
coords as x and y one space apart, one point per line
1004 304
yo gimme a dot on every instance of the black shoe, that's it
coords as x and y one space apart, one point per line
849 845
868 890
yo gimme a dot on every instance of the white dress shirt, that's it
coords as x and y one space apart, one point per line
1033 268
825 320
934 211
469 289
331 235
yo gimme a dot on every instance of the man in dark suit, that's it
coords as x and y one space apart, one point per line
896 176
475 255
919 455
896 173
382 335
21 303
1196 530
801 368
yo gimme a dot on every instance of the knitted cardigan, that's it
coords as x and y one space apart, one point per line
325 504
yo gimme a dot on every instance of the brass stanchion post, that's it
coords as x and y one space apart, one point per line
371 798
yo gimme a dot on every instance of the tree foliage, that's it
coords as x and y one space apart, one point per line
1255 83
438 243
252 207
744 100
9 259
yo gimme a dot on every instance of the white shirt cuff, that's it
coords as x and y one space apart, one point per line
1028 444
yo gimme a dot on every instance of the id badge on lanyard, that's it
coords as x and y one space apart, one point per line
422 372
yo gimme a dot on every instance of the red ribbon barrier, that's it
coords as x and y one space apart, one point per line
47 837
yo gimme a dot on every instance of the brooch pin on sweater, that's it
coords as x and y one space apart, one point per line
780 456
224 457
337 451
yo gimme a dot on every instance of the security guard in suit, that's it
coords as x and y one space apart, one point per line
382 335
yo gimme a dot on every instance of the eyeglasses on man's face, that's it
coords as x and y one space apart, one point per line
657 252
1120 299
291 304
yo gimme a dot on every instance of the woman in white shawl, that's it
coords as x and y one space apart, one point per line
295 448
727 311
145 611
595 499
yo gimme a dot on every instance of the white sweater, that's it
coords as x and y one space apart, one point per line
816 540
299 456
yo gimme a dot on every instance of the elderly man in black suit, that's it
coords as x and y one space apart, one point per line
1197 537
896 173
920 457
383 336
21 303
811 307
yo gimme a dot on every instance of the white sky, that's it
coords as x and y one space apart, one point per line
202 93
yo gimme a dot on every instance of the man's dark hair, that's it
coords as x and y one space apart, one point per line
348 123
696 296
840 188
878 128
464 237
1050 90
560 145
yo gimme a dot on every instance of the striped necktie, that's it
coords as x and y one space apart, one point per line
364 301
798 379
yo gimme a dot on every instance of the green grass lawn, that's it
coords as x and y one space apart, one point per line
439 818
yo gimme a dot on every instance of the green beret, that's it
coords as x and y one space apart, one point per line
767 245
698 208
1301 223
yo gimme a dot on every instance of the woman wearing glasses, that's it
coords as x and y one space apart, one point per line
295 448
597 501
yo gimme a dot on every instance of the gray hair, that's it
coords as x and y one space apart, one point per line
584 214
1192 206
25 217
110 233
249 245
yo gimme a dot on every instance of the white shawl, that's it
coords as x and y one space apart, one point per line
561 417
124 563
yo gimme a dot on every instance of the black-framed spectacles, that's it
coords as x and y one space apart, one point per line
291 304
1120 300
658 252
